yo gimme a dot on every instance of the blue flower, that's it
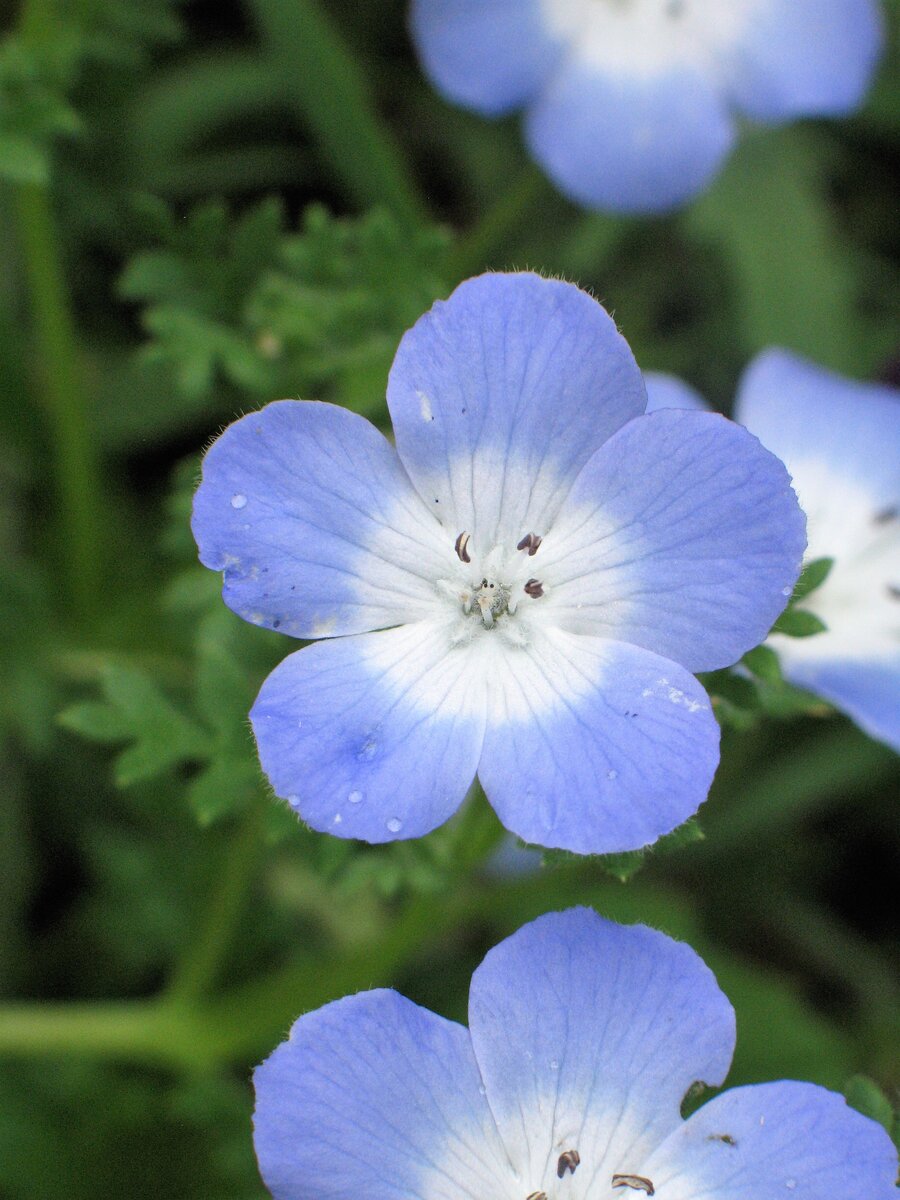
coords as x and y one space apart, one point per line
841 442
521 588
584 1037
630 105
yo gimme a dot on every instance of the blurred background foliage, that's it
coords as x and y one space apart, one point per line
208 204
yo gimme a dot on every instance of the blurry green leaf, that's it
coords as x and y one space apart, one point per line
812 576
797 622
763 662
866 1097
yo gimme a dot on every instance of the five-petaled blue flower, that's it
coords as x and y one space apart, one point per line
631 104
841 442
521 588
584 1037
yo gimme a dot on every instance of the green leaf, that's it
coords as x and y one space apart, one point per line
797 622
866 1097
763 663
812 576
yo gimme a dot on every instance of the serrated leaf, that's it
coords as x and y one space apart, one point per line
797 622
866 1097
812 576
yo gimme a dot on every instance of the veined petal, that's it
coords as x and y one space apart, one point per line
374 737
775 1139
682 535
498 397
668 391
489 55
375 1097
629 142
595 746
309 513
588 1035
804 57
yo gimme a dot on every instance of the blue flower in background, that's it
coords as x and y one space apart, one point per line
840 441
630 105
521 588
584 1037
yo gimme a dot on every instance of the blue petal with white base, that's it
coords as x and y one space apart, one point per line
489 56
840 440
374 1097
584 1037
798 57
630 144
595 746
681 535
307 510
501 394
374 737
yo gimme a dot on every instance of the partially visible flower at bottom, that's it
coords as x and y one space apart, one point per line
840 440
584 1037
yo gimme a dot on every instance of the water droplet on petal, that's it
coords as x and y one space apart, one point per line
337 819
355 797
787 591
394 825
293 801
612 774
299 724
238 500
554 1065
791 1183
482 1090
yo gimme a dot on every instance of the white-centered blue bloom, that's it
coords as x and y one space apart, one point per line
840 440
583 1039
521 588
630 105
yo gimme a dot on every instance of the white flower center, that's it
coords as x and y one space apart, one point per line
489 588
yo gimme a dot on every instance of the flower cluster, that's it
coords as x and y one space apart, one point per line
521 588
841 442
584 1038
631 104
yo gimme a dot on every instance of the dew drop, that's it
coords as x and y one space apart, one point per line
482 1090
612 774
554 1065
238 500
787 591
293 801
355 797
337 819
791 1184
299 723
394 825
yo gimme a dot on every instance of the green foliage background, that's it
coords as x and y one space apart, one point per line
205 206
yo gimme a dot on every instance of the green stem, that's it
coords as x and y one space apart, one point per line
484 245
322 78
198 969
76 466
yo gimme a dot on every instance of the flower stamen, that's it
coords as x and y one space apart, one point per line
534 588
567 1162
530 542
637 1183
461 547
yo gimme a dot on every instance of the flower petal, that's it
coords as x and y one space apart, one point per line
596 746
804 57
626 142
801 411
374 737
867 690
776 1139
668 391
307 510
500 394
588 1035
375 1097
682 535
489 55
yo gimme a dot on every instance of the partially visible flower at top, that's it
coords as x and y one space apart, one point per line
840 440
631 104
520 588
584 1038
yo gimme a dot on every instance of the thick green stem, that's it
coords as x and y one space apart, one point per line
76 468
322 79
203 956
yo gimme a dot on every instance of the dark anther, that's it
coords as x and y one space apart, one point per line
722 1137
886 516
534 588
567 1162
636 1182
462 543
537 1196
530 542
